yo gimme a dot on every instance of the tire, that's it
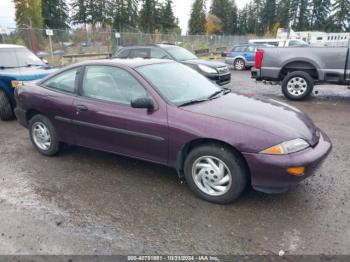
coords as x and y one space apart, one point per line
52 147
233 165
297 85
6 112
239 64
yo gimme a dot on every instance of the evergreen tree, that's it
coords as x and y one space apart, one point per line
80 14
268 15
197 20
341 15
27 14
303 15
167 18
124 14
226 11
148 16
319 14
55 14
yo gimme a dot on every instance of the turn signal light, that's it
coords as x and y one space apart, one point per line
296 171
15 83
275 150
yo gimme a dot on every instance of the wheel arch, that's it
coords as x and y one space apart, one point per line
31 113
300 65
186 149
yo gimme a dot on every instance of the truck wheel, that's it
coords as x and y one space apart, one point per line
216 173
239 64
297 85
6 112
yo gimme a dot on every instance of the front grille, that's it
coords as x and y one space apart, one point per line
223 70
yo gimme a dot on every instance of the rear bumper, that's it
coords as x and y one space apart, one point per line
269 172
256 74
21 116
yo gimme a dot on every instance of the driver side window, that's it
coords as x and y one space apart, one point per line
111 84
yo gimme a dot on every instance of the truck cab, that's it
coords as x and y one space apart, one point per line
17 64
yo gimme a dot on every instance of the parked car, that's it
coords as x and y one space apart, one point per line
17 64
218 140
299 69
242 56
215 71
280 42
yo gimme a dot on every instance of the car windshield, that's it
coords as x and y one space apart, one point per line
18 57
190 87
180 54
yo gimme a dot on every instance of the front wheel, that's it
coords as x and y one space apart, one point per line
297 85
216 173
43 135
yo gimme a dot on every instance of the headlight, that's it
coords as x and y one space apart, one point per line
207 69
287 147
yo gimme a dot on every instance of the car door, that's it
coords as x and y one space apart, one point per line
106 121
58 100
347 68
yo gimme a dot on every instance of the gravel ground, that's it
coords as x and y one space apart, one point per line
90 202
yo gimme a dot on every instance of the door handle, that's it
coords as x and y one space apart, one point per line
81 108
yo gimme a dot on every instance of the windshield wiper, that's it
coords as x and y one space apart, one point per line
7 67
30 65
217 93
193 101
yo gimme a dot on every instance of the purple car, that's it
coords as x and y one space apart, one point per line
167 113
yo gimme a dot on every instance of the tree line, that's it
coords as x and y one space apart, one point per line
260 17
264 17
148 16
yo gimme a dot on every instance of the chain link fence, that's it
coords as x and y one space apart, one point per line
81 43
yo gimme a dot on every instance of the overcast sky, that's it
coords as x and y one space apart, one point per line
182 9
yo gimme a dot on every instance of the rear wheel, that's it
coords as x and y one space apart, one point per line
43 135
6 112
239 64
216 173
297 85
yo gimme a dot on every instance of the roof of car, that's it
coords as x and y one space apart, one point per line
10 46
133 63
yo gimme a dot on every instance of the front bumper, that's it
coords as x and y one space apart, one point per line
21 116
269 172
221 80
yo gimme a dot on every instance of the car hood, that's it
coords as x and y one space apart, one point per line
27 73
266 114
213 64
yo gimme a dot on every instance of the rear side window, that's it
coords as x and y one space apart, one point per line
239 49
123 53
65 82
251 49
140 52
159 53
108 83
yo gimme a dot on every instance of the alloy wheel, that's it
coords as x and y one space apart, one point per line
41 136
297 86
211 175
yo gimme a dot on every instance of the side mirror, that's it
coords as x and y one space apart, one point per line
45 61
142 102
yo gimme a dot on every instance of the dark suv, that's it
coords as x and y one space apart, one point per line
215 71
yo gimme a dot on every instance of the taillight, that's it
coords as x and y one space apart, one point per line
259 55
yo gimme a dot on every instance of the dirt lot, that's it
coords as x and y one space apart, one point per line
89 202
